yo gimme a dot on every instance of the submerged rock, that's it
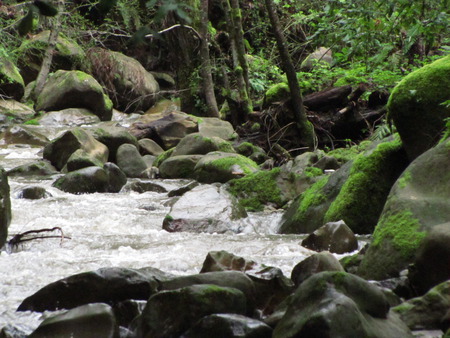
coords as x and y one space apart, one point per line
33 193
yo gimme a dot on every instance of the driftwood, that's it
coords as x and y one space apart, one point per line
34 234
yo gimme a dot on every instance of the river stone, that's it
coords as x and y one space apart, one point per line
323 261
11 82
171 313
321 55
5 207
198 144
31 52
428 311
181 166
80 159
15 111
83 181
224 261
431 265
130 86
130 161
229 325
68 117
106 285
206 208
215 127
37 168
142 186
221 167
417 202
127 310
337 304
87 321
59 150
116 177
113 138
149 147
184 189
334 237
33 193
20 134
165 129
74 89
415 106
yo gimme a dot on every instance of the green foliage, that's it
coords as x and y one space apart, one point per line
165 7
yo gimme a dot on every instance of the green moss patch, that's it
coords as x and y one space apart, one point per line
344 155
310 198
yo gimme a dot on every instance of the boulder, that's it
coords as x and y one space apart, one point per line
149 147
171 313
197 144
80 158
334 237
68 117
165 129
337 304
229 325
32 193
11 82
88 321
74 89
37 168
428 311
83 181
13 112
5 207
68 55
179 166
415 106
431 264
20 134
116 177
106 285
142 186
321 55
130 86
417 202
184 189
221 167
314 264
251 151
225 261
215 127
113 138
130 161
206 208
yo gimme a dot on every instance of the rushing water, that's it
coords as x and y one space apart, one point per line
123 229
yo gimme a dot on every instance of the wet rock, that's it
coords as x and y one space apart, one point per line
145 186
107 285
222 167
14 112
214 127
116 177
334 237
33 193
170 313
337 304
68 117
11 82
224 261
87 321
130 161
74 89
327 162
10 331
113 138
184 189
59 150
149 147
20 134
179 166
229 325
314 264
197 144
80 159
206 208
126 311
5 207
37 168
83 181
428 311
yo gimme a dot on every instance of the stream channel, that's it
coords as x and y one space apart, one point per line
115 229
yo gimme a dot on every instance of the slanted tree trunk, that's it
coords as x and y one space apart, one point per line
304 126
208 84
48 57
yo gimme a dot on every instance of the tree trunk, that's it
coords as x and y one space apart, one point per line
208 84
305 128
48 57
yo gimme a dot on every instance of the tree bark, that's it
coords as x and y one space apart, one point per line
305 128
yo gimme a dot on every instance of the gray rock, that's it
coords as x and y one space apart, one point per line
224 261
130 161
179 166
113 138
84 181
214 127
197 144
149 147
19 134
37 168
314 264
68 117
116 177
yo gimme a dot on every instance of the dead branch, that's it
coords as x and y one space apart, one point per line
22 237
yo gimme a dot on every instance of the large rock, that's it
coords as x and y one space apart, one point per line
37 168
74 89
68 55
171 313
15 112
206 208
5 207
113 138
198 144
84 181
68 117
179 166
415 106
127 82
106 285
20 134
417 202
214 127
149 147
337 304
11 82
87 321
321 56
61 149
130 160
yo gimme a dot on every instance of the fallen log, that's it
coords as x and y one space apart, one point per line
328 99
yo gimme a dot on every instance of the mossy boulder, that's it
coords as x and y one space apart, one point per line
68 55
5 207
15 112
221 167
181 166
130 160
277 93
417 202
213 126
11 82
127 82
83 181
113 138
37 168
22 134
362 197
74 89
198 144
251 151
416 106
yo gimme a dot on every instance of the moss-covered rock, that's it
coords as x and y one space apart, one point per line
212 126
113 138
38 168
362 197
11 82
276 93
251 151
417 202
344 155
181 166
130 160
22 134
198 144
74 89
83 181
416 106
15 112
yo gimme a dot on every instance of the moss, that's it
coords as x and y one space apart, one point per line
276 93
310 198
168 218
257 189
402 229
163 156
404 180
247 165
347 154
312 172
32 122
